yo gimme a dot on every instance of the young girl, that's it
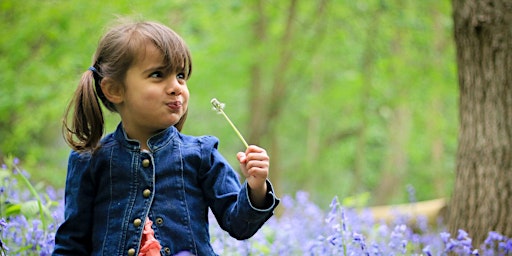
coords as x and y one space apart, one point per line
145 189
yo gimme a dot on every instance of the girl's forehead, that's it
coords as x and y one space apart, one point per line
149 55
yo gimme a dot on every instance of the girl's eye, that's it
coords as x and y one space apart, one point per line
180 76
156 74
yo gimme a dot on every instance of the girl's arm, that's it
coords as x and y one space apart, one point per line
74 235
240 209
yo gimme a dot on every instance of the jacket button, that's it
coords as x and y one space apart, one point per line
159 221
146 193
137 222
131 252
167 250
145 163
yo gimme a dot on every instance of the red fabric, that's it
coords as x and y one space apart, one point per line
149 245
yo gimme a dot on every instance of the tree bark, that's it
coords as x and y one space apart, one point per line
257 126
482 196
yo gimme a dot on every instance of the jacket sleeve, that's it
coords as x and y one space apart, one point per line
73 236
228 199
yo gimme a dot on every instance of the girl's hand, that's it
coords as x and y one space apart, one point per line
254 163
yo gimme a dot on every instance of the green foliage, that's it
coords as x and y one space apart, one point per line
10 174
372 85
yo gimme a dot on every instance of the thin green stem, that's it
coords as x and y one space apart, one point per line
234 128
35 194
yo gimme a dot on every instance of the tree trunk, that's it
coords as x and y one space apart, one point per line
367 70
257 126
267 101
395 165
482 196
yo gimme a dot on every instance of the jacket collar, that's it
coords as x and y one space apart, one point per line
155 142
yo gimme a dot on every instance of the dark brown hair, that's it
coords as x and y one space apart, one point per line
117 50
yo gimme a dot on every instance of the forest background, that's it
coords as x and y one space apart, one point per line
351 98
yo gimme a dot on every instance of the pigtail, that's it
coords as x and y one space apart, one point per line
83 123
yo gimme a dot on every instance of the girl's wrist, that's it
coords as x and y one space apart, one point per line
258 195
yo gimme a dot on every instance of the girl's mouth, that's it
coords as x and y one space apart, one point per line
175 105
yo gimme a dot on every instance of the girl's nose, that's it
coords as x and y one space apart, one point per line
174 86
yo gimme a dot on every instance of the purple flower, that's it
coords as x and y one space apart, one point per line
506 246
462 235
412 193
427 251
445 236
303 228
493 236
184 253
359 238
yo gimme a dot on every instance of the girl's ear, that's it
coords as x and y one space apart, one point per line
112 90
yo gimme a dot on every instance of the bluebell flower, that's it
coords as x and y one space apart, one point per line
506 246
412 193
427 251
359 238
445 236
462 235
184 253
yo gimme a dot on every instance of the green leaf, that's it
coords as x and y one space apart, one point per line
30 208
13 209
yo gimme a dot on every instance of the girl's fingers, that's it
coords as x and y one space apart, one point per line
257 164
254 162
258 156
258 172
241 157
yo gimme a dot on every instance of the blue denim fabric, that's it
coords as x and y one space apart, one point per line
110 193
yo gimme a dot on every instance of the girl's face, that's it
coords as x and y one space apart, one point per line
153 98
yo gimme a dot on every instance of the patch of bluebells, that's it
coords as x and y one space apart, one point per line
21 228
302 228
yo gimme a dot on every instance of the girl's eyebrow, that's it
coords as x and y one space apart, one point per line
153 68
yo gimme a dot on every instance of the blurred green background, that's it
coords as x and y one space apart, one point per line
368 89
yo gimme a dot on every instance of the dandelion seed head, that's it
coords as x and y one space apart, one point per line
217 105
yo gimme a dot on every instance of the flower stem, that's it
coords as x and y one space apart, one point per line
235 129
220 108
35 194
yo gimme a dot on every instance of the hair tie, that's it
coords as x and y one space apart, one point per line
97 82
95 73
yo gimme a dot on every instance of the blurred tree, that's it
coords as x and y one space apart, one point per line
267 106
482 197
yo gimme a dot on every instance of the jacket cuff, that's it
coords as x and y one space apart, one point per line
271 200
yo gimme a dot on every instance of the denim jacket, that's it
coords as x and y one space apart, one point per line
110 193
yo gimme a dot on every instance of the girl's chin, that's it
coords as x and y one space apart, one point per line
172 122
